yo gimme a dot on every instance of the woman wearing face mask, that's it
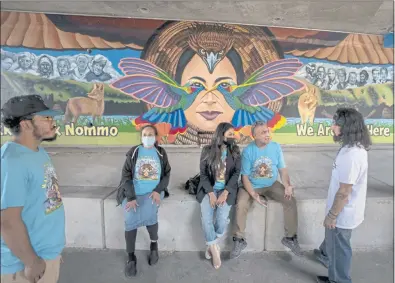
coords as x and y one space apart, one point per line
220 165
145 177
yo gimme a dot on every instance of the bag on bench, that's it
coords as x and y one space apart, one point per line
192 184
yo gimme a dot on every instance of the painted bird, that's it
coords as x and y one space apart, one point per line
146 82
270 83
212 44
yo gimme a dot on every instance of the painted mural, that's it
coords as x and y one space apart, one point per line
111 76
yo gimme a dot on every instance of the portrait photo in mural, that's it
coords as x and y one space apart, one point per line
112 76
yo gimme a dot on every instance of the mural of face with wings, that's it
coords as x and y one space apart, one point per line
244 102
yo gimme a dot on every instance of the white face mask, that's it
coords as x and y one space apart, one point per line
148 141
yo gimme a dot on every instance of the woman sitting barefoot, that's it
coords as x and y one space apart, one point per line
220 165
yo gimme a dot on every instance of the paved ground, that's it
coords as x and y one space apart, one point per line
86 266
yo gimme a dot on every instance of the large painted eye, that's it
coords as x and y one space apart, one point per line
197 84
225 85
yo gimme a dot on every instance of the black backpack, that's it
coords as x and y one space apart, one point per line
192 184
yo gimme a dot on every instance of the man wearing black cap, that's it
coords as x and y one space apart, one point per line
32 213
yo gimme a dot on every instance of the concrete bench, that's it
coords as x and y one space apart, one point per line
88 179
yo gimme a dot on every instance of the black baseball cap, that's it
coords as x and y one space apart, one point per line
27 105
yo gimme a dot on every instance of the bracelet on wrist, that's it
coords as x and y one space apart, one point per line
331 213
330 216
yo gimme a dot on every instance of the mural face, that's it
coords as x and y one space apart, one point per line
209 107
110 78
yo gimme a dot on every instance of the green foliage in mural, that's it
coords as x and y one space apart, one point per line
61 90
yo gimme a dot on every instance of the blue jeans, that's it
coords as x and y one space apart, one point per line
214 231
336 247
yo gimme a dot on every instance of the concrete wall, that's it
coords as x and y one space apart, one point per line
89 178
179 226
98 223
375 231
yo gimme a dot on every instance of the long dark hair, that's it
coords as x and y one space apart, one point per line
353 131
213 156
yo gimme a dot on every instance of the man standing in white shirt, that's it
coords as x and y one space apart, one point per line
346 196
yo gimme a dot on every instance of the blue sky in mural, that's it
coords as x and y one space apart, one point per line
114 55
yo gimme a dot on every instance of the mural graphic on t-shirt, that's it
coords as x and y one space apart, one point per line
147 169
222 169
263 168
51 186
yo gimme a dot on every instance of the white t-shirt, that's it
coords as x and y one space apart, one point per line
350 167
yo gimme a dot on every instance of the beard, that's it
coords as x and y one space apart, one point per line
40 137
50 138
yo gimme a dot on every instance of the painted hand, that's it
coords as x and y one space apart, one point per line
155 198
289 192
222 198
330 222
213 199
131 204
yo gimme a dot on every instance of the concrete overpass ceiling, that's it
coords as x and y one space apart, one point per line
356 16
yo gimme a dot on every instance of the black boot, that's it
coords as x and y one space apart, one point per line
131 266
323 279
154 255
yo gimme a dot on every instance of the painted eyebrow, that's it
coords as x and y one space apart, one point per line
198 78
222 78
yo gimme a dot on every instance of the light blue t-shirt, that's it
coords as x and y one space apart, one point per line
28 180
147 171
261 164
220 178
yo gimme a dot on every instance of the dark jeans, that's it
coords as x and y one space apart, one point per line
336 248
130 237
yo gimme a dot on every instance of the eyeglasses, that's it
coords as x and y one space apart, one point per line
42 118
46 118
